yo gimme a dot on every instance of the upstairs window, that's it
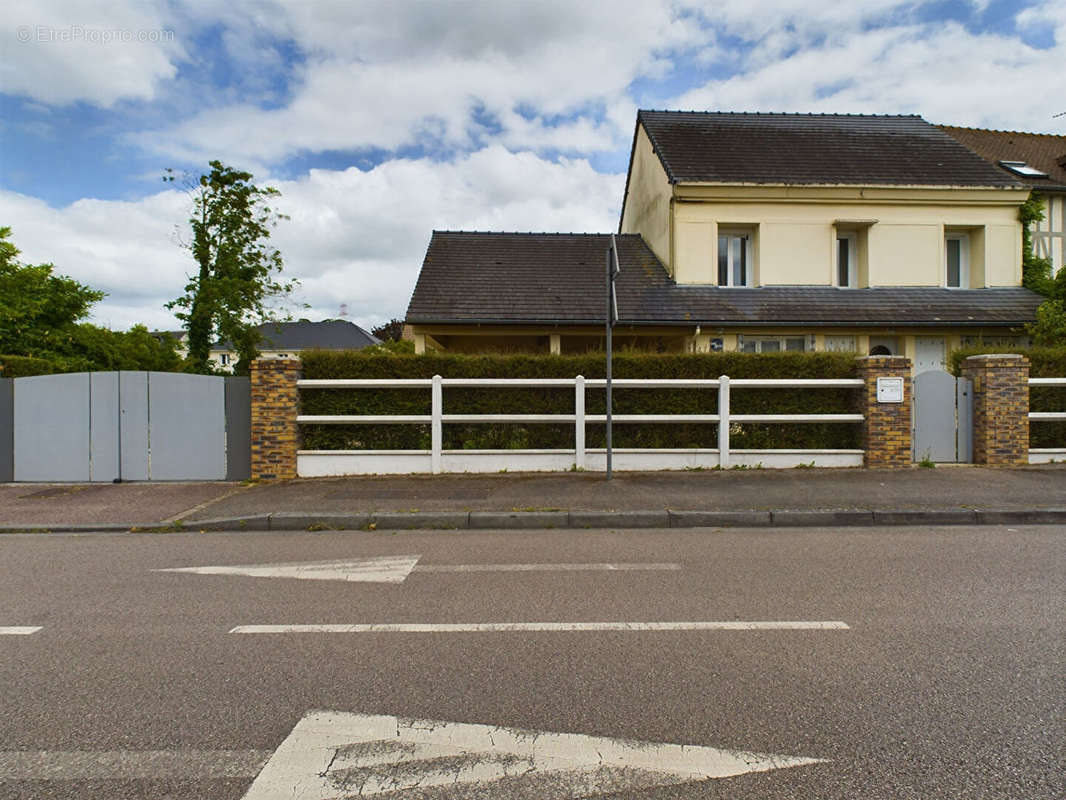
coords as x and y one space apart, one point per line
734 259
958 260
846 260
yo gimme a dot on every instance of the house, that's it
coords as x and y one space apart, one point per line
286 339
1039 161
758 233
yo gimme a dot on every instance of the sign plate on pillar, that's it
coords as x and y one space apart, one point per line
890 390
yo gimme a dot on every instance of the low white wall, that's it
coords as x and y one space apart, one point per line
325 463
1047 455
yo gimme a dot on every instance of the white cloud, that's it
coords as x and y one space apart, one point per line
62 51
392 75
943 72
354 237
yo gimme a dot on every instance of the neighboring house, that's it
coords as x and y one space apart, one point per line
1037 160
181 340
288 339
759 233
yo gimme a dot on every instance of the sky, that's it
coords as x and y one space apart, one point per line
382 121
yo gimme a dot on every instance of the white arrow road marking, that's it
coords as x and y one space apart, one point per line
496 627
395 569
18 630
385 569
337 755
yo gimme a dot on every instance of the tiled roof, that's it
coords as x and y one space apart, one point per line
1044 151
559 278
330 334
812 149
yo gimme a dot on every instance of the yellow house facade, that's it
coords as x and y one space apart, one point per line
757 232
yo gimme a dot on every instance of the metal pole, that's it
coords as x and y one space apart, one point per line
612 268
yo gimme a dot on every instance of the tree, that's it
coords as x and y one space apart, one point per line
39 318
38 310
237 268
391 331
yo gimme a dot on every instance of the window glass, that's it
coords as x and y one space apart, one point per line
734 253
794 345
723 260
843 261
770 345
954 262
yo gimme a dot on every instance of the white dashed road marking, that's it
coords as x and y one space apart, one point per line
496 627
18 630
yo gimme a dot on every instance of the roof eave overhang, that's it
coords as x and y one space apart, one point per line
688 323
694 191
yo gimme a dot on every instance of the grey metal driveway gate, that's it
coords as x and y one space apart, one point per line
103 426
943 418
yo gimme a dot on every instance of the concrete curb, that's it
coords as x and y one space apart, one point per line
540 520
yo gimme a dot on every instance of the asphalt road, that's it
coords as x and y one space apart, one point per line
947 681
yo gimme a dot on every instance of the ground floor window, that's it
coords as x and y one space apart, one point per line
773 344
840 344
995 341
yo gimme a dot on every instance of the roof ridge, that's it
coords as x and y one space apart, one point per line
999 130
777 113
529 233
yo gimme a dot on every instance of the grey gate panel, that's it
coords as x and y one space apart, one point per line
934 416
238 429
133 411
186 426
52 428
103 426
964 420
7 430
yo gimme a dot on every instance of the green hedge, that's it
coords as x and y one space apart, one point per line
24 367
323 365
1044 362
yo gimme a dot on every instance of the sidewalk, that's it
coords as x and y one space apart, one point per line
944 495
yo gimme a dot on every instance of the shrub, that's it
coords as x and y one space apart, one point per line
25 366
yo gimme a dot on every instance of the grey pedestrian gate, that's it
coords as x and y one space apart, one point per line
104 426
943 418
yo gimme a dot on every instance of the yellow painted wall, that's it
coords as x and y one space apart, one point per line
647 206
901 239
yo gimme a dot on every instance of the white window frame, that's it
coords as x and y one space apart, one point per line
964 259
781 341
223 359
729 234
852 238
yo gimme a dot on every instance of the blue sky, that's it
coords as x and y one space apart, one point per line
380 121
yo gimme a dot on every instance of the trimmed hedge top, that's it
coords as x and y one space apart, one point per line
356 364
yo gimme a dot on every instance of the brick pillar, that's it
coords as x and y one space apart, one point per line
275 404
886 430
1000 409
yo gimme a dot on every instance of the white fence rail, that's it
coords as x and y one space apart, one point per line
1046 455
316 463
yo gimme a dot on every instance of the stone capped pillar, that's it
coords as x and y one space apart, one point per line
886 430
275 405
1000 409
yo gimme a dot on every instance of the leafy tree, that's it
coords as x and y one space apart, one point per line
391 331
39 317
38 310
237 267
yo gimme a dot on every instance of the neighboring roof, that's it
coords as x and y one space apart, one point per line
560 279
1044 151
329 334
812 149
